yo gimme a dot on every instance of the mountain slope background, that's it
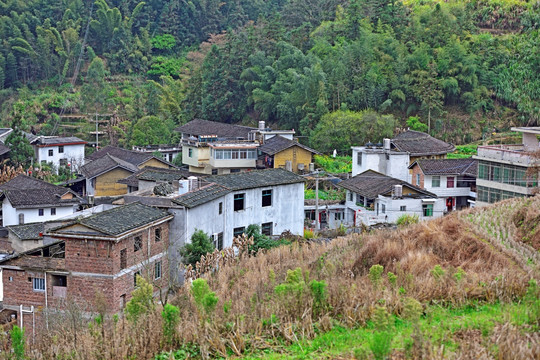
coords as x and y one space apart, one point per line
465 68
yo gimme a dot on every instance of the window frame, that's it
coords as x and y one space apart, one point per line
427 210
220 208
265 226
135 278
61 149
123 258
51 152
137 243
158 267
40 282
218 241
238 231
403 208
266 200
450 182
157 234
53 211
239 202
41 212
436 179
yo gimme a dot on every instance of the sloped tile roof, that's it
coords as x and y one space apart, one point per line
25 191
133 157
448 166
105 164
201 196
4 149
371 184
278 143
421 144
119 220
199 127
28 231
150 173
255 179
58 140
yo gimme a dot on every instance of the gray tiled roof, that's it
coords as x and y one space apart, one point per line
104 164
4 149
255 179
448 166
133 157
201 196
25 191
421 144
198 127
58 140
372 184
121 219
151 173
28 231
278 143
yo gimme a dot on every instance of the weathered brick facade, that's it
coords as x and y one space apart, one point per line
414 171
88 266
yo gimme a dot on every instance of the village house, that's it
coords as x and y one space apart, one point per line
102 253
372 197
59 151
502 169
453 180
225 205
168 152
105 167
213 148
394 156
28 200
280 152
149 177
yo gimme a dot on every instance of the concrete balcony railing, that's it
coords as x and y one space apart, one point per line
59 292
510 153
451 192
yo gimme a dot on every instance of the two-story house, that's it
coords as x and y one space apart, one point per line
453 180
28 200
372 197
148 177
226 205
280 152
504 171
394 156
60 151
102 253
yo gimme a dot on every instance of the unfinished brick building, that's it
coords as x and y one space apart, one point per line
99 254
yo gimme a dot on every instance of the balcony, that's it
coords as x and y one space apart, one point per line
451 192
513 154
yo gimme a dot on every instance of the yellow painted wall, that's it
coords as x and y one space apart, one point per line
106 184
296 155
154 163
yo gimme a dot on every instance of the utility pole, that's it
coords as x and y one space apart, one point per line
97 136
317 224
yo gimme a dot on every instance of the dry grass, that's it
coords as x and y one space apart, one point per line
251 316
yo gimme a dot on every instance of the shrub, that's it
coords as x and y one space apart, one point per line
142 300
375 273
437 272
381 341
205 299
261 241
18 342
171 318
309 234
407 219
200 245
318 291
392 278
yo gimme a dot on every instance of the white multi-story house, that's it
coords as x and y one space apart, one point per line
394 156
227 204
372 197
60 151
29 200
453 180
502 169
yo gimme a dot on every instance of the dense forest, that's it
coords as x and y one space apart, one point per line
326 68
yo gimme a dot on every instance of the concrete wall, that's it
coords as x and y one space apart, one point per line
74 154
395 166
286 213
198 154
413 206
10 215
296 155
155 163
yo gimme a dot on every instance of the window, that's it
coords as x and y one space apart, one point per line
235 171
61 149
383 208
38 284
218 241
137 273
450 182
157 270
190 152
238 231
267 198
239 202
51 152
41 212
21 219
435 181
53 211
157 234
220 211
63 162
137 245
427 209
417 179
359 159
266 228
123 258
214 172
403 208
351 196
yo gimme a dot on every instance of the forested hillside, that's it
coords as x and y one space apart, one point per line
322 67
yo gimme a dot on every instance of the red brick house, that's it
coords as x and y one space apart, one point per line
99 254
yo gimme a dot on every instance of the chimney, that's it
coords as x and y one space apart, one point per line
193 183
183 186
386 143
261 125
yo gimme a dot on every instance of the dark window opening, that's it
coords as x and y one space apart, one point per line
59 280
157 270
61 149
157 234
123 258
239 202
267 198
239 231
51 153
53 211
218 241
266 228
41 212
137 273
137 245
220 208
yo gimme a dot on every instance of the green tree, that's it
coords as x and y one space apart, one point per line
427 90
200 245
142 299
21 152
18 342
151 130
342 129
95 91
